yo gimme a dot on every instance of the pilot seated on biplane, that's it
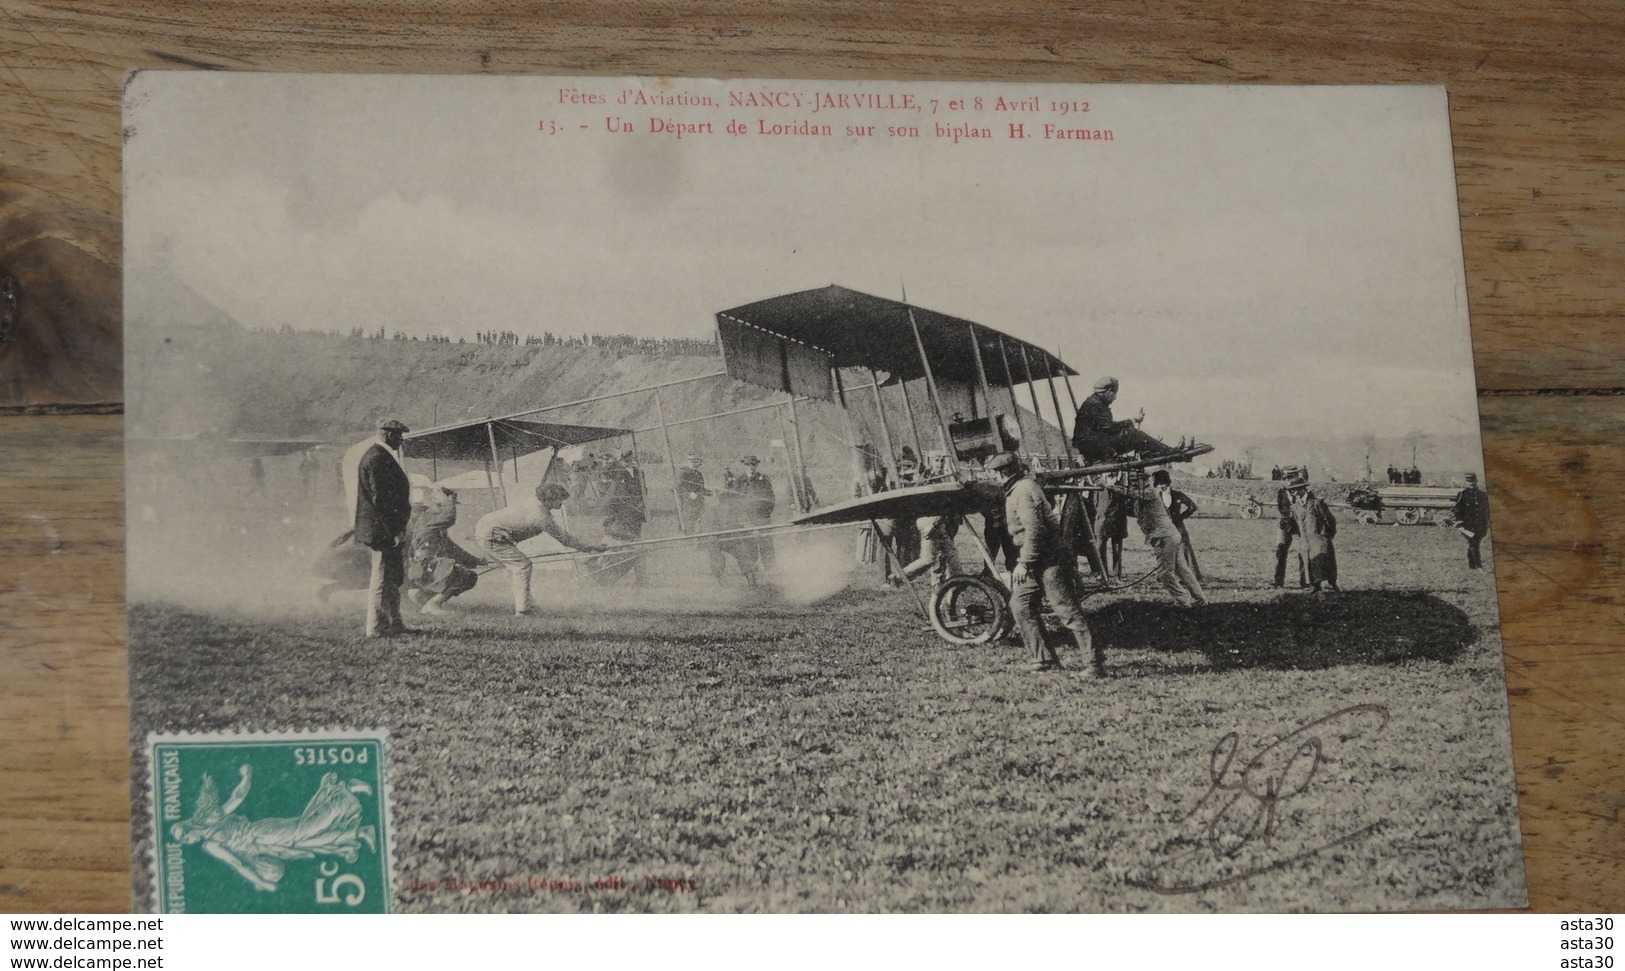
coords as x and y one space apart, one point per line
1098 437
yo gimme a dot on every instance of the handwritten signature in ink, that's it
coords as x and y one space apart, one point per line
1240 813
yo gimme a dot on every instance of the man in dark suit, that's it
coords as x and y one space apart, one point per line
382 509
1099 437
754 492
1472 513
1295 478
691 492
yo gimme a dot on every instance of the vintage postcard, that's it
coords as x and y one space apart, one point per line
805 496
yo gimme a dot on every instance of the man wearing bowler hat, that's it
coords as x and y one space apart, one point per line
382 509
1296 478
1306 515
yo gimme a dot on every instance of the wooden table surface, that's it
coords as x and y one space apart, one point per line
1537 96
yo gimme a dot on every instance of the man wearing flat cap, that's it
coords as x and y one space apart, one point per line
1045 569
1099 438
383 507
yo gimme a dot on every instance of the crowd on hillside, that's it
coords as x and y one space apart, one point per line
621 344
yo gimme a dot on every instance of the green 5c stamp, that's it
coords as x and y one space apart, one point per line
255 823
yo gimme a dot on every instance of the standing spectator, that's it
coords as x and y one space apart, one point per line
625 514
756 498
1180 508
869 478
1287 527
1110 533
904 532
383 508
1472 514
1313 521
1044 569
691 492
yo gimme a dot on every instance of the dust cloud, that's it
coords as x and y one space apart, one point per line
218 542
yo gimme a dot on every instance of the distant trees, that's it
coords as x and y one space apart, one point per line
620 344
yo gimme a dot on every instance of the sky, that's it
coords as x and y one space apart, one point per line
1245 260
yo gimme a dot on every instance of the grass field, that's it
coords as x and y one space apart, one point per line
680 749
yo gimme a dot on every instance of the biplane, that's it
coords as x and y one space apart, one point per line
895 405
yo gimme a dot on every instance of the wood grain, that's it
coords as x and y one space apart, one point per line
1539 132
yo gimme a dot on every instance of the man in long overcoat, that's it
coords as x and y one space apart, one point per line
1311 519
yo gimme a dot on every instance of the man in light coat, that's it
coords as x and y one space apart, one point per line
499 534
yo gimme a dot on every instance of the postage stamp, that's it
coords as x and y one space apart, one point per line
277 823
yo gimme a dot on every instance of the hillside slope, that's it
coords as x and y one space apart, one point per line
185 380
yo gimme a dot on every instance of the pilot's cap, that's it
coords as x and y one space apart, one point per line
1003 461
392 425
750 460
1106 384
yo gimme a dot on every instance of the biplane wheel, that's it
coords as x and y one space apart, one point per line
1409 517
1367 516
969 609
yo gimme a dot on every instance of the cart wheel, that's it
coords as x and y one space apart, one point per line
1409 517
969 609
1366 516
1253 511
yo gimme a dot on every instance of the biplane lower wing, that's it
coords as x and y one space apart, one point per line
1123 465
204 447
935 499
